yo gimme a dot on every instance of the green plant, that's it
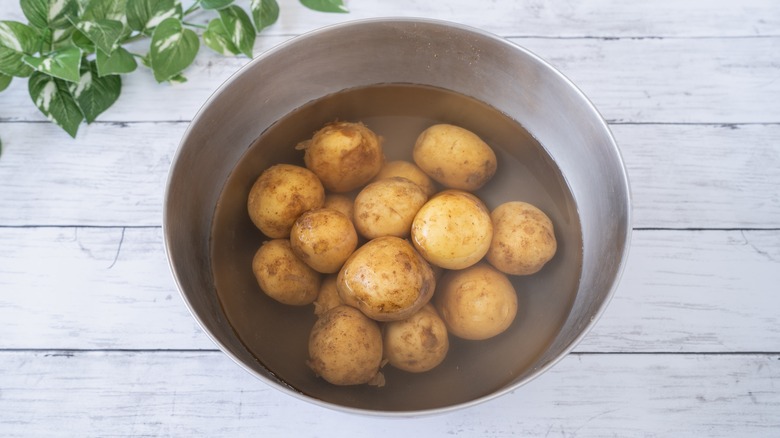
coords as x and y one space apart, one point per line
73 52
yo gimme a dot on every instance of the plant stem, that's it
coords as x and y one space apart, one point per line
136 37
194 7
199 26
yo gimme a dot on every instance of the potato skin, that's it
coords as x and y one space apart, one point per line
279 195
283 276
345 347
340 202
344 155
476 303
452 230
455 157
418 343
386 279
328 296
387 207
523 239
410 171
323 238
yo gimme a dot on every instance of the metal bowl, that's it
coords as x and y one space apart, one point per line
554 150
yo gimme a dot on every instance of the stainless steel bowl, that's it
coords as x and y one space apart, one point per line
206 226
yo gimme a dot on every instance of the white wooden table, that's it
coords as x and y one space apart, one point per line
96 341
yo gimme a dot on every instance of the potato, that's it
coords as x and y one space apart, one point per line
328 296
455 157
279 195
344 155
409 171
452 230
417 343
345 347
387 207
323 238
283 276
386 279
523 239
476 303
342 203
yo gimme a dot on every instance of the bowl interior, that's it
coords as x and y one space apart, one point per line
277 334
554 151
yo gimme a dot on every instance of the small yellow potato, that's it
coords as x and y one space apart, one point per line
344 155
417 343
328 297
345 347
323 238
523 239
342 203
279 195
455 157
476 303
283 276
387 207
410 171
452 230
386 279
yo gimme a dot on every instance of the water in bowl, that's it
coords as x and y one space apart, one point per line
277 334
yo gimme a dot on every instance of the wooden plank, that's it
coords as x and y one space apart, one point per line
697 291
716 80
672 80
91 288
686 176
86 288
602 18
205 394
682 176
115 174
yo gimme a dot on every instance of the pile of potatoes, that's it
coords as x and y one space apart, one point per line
392 265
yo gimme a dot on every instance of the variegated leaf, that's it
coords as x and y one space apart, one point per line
54 100
93 93
264 13
173 49
64 64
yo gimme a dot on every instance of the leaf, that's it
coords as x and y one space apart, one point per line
36 11
19 37
173 49
145 15
61 38
178 79
5 80
146 61
325 5
217 38
63 64
106 10
11 63
264 12
103 32
52 97
82 42
54 14
93 93
239 29
215 4
16 40
119 62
